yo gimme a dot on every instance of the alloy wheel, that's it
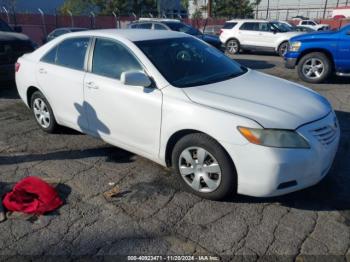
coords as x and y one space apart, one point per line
41 113
313 68
199 169
232 47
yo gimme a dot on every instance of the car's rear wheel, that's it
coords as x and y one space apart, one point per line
43 113
283 48
314 67
232 46
204 167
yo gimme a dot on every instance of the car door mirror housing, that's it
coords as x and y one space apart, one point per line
135 78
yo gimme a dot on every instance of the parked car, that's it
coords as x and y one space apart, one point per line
300 17
313 25
212 30
318 55
12 45
252 34
305 29
175 25
171 98
63 30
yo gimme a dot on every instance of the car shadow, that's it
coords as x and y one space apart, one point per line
254 64
111 153
8 90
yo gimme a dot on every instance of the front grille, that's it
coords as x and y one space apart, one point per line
326 135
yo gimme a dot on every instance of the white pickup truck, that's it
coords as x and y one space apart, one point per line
313 25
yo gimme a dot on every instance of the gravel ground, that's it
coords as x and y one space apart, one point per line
152 215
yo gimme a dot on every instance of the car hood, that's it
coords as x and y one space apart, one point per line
292 33
12 36
314 35
210 38
268 100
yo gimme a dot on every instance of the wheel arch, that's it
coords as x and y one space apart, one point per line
30 91
319 50
233 38
174 138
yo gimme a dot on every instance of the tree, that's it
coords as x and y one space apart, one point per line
106 7
234 8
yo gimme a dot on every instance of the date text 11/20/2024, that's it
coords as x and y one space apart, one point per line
173 258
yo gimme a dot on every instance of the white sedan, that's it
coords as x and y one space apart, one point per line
172 98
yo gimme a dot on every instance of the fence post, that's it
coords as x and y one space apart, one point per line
56 19
14 16
7 14
43 21
92 20
71 18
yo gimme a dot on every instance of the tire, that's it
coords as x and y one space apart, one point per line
312 62
233 46
283 48
215 185
43 113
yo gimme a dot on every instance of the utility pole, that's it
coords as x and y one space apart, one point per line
325 9
267 9
337 3
210 5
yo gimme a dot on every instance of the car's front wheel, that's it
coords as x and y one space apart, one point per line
43 112
314 67
232 46
204 167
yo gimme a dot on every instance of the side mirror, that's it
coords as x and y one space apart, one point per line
135 78
17 29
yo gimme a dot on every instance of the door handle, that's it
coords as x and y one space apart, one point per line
91 85
42 71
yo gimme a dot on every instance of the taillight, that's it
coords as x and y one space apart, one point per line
221 31
17 66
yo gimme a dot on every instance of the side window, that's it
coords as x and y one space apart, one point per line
71 53
304 23
59 32
145 26
159 27
134 26
50 57
250 26
229 25
111 59
264 27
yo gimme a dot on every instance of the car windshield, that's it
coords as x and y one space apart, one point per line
4 27
282 27
187 62
180 27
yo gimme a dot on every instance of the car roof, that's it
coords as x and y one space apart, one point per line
247 20
70 28
132 34
158 20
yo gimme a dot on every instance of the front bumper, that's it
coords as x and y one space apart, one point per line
266 172
290 63
7 72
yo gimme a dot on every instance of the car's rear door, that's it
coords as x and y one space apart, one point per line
127 116
60 75
248 34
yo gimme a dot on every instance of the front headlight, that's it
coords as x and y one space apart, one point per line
274 137
294 46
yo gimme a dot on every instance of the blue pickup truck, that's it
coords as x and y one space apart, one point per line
318 55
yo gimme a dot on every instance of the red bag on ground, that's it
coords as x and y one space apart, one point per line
32 196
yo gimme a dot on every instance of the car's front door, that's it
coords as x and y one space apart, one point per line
60 75
343 54
126 116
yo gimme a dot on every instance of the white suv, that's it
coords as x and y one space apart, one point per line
256 35
313 25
